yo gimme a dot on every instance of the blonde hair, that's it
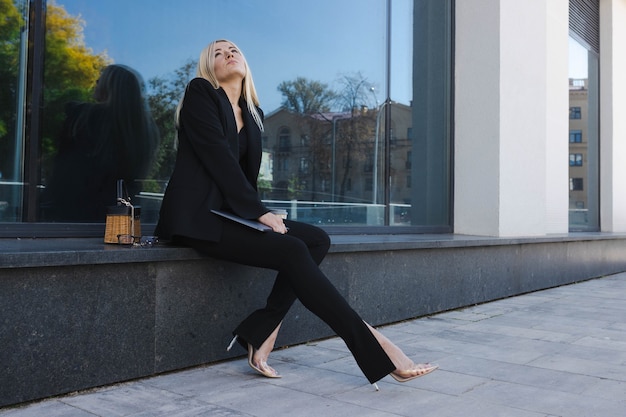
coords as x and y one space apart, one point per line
206 70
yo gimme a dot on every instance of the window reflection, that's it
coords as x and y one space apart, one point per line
113 138
13 44
328 95
583 138
331 154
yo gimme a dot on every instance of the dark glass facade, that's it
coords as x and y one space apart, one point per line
93 87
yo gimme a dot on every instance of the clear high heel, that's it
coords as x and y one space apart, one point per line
262 367
422 368
232 342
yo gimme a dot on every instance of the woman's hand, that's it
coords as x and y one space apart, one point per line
273 221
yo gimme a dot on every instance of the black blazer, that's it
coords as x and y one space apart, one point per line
207 174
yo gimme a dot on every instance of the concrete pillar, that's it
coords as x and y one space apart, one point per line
557 125
507 151
612 120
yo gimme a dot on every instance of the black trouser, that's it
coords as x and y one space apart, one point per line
296 256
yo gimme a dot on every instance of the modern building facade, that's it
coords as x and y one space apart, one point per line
458 103
457 151
530 62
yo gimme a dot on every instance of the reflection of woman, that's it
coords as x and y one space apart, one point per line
114 138
219 153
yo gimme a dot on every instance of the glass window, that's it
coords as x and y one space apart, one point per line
575 159
339 97
583 138
575 136
429 131
574 112
13 57
576 184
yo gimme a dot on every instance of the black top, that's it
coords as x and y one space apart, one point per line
243 147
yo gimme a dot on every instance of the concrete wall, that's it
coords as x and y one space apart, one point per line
92 322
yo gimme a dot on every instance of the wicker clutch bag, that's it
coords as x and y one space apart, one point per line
123 224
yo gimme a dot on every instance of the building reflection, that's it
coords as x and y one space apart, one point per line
326 162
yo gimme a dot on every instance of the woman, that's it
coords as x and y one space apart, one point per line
100 143
219 132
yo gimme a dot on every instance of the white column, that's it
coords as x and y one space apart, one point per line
557 129
505 99
477 117
612 119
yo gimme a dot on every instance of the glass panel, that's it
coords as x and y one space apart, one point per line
321 128
430 132
97 127
315 151
400 110
111 87
583 138
13 55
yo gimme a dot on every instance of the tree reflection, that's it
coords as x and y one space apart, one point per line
70 74
11 27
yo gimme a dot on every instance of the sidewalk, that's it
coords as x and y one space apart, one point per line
558 352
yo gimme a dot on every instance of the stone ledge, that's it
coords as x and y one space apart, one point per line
27 253
77 313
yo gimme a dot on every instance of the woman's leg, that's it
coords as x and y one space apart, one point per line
261 323
291 257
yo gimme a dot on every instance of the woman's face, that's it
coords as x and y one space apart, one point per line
229 64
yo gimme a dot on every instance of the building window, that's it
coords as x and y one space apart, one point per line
574 113
575 136
304 165
282 164
575 159
576 184
284 140
324 186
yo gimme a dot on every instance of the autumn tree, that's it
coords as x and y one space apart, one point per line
11 25
70 72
